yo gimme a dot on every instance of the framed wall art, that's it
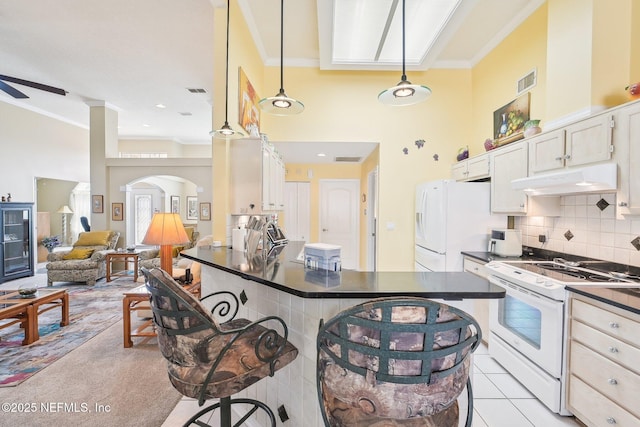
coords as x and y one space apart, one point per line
192 207
509 120
249 112
117 211
175 204
205 211
97 205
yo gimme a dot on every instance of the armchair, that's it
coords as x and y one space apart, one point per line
85 262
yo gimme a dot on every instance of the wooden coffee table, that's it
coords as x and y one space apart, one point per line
124 257
26 310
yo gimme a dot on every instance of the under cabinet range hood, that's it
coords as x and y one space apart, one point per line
590 179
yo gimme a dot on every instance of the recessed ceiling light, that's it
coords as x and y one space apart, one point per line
161 106
146 125
321 155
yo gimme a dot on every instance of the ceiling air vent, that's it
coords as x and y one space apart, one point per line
196 90
185 113
527 82
348 159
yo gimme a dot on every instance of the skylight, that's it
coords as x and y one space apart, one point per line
370 31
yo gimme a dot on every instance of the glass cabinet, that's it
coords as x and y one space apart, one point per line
16 234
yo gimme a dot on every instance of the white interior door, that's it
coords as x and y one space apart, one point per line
372 219
297 211
339 218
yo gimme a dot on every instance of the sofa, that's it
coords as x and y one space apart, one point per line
150 258
85 262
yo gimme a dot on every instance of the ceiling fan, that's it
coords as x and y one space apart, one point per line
19 95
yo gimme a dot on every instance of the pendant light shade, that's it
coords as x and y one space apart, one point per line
226 132
281 104
404 93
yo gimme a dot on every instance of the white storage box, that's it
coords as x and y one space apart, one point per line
322 250
322 256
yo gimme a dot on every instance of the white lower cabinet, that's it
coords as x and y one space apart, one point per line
480 306
604 376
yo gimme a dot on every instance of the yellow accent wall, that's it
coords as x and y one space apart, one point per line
242 53
569 42
495 77
342 106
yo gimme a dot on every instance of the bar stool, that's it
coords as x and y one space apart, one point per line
207 358
395 362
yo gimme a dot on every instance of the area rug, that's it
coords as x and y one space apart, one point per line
92 309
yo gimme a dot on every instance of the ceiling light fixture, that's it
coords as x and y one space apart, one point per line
226 132
404 93
281 104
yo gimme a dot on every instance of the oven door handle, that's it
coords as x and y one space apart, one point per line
524 294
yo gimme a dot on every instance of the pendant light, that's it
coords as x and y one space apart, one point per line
281 104
404 93
226 132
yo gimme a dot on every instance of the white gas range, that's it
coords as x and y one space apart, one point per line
528 328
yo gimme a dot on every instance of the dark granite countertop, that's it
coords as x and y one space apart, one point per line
622 297
287 274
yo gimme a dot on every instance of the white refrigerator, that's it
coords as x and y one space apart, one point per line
452 217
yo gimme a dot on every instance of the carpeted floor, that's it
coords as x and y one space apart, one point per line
92 309
99 382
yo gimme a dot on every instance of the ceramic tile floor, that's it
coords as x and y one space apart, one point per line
499 401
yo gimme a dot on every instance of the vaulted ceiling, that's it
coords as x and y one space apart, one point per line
136 55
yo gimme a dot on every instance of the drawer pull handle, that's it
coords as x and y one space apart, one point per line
612 381
611 420
613 350
614 325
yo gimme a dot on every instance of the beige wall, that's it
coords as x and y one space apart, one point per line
172 148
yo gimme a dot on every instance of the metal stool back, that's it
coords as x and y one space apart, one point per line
395 359
210 358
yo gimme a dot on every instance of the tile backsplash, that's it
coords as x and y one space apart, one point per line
587 227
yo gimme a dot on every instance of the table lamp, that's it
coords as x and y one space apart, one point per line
166 230
64 211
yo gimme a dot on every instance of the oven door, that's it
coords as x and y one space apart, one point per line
530 323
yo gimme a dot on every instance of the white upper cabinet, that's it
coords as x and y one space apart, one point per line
584 142
627 155
546 151
589 140
474 168
257 177
508 163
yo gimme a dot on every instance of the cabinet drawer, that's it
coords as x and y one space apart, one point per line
475 267
612 380
596 410
606 321
611 348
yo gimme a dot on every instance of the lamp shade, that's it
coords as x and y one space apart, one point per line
165 229
65 210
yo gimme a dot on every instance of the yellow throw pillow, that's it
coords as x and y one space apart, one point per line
78 253
93 238
176 251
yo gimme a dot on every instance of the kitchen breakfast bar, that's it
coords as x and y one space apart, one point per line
282 286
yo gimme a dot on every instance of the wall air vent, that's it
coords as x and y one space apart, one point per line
528 81
196 90
348 159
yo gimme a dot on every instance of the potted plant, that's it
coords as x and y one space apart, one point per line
51 242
